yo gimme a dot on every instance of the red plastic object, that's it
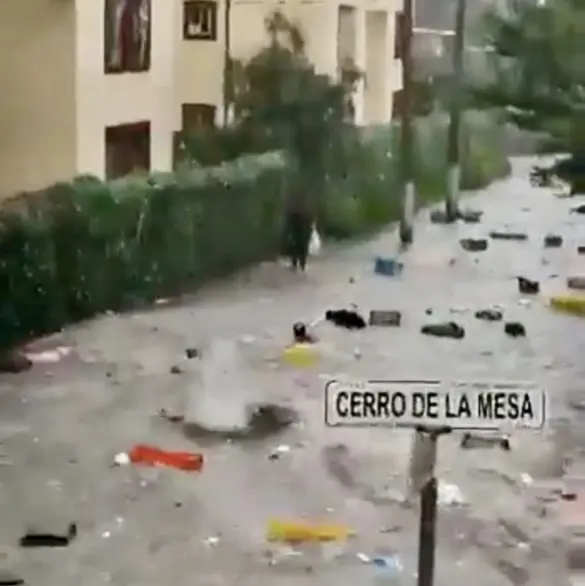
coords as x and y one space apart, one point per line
153 456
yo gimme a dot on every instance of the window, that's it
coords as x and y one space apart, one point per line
398 34
127 149
197 117
200 20
127 36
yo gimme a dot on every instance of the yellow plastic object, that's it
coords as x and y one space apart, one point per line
301 355
573 304
303 532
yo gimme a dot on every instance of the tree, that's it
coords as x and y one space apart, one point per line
277 97
537 49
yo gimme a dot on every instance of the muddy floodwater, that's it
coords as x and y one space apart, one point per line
501 520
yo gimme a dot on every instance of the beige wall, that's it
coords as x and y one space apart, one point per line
56 100
199 65
108 100
37 107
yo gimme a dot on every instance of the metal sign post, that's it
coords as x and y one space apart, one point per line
422 481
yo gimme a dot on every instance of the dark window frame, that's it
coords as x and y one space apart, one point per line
134 141
194 9
129 60
204 114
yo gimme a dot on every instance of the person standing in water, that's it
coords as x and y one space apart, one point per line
298 227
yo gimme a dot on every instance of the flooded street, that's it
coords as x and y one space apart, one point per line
62 424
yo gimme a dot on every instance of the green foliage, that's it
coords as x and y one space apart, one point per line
280 100
539 76
80 248
368 195
85 247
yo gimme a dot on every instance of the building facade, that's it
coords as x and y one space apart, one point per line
101 86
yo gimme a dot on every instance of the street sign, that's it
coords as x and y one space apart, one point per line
479 405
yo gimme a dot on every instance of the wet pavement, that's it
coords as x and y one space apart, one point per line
62 424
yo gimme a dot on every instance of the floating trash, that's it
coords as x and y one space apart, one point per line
450 495
301 355
387 267
305 532
572 304
385 317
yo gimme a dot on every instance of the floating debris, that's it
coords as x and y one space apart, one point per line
385 317
489 315
387 267
444 330
528 287
553 241
43 538
474 244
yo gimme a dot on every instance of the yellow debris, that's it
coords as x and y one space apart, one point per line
573 304
301 355
299 531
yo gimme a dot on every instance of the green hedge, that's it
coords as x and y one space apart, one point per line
84 247
77 249
366 197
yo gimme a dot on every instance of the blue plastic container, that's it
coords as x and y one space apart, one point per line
387 266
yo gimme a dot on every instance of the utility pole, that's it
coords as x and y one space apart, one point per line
227 62
453 153
422 481
406 129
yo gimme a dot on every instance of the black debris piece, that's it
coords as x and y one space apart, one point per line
345 318
497 235
474 244
515 329
191 353
528 287
553 241
444 330
489 315
439 217
35 538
